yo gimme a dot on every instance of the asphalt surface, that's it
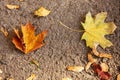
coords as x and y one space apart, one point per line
63 47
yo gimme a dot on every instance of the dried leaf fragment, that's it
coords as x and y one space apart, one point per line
31 77
41 12
118 77
104 67
98 69
90 58
4 31
66 79
88 66
1 71
105 55
21 0
35 62
96 29
75 68
10 79
1 78
28 41
9 6
94 50
91 61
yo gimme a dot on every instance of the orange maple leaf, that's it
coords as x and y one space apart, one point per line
28 41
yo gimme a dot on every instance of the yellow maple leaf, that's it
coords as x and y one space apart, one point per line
96 29
28 41
41 12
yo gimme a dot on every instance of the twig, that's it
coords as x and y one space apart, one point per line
70 28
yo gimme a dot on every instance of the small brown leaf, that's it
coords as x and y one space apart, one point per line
12 6
96 53
1 71
105 55
35 62
90 58
28 41
66 79
75 68
4 31
41 12
118 77
21 0
88 66
91 61
1 78
9 79
31 77
104 67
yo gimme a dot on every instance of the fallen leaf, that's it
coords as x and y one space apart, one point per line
91 61
1 71
104 67
66 79
118 77
31 77
41 12
12 6
28 41
98 69
21 0
75 68
88 66
1 78
90 58
96 29
105 55
35 62
10 79
4 31
94 50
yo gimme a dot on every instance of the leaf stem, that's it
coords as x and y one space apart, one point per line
70 28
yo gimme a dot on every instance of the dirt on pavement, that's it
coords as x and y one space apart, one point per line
63 47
